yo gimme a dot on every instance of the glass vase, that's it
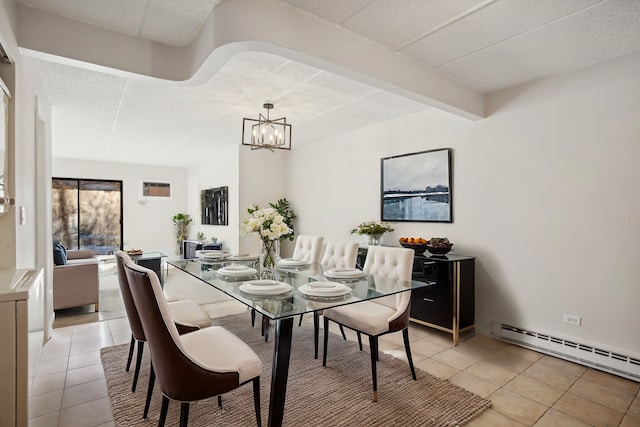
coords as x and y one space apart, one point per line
373 239
268 258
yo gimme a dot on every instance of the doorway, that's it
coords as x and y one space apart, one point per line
87 214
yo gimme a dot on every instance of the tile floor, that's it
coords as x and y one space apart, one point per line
526 388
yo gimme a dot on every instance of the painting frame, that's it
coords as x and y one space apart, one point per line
417 187
214 208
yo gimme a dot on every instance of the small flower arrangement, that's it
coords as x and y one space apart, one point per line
372 228
267 223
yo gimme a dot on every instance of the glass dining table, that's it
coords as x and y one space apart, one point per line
307 283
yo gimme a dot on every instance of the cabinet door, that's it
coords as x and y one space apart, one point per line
431 310
441 274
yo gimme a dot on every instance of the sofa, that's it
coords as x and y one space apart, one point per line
75 279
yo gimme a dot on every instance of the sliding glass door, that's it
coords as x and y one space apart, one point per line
87 214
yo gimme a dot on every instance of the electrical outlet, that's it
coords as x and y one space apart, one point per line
572 319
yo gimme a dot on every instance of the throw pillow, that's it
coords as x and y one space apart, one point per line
59 254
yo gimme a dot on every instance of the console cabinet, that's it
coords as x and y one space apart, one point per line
189 248
448 302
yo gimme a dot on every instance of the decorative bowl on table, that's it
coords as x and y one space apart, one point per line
439 245
418 244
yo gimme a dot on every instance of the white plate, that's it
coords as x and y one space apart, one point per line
265 287
324 289
292 262
237 271
212 254
244 257
345 273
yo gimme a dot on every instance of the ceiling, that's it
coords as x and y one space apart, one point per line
487 45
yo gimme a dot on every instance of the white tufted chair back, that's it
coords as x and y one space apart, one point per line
340 255
308 248
394 263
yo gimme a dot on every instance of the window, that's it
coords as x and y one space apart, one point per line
87 214
155 189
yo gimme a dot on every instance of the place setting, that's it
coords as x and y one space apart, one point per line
265 289
324 290
236 272
212 256
292 264
346 275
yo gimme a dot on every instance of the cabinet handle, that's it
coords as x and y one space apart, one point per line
428 300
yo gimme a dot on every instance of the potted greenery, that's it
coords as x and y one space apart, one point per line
181 221
372 230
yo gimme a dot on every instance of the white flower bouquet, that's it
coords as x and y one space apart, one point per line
267 223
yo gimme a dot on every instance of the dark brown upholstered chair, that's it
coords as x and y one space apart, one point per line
382 315
194 366
187 315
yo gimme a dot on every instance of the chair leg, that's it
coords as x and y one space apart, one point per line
344 336
265 328
300 321
138 364
131 346
316 333
184 414
256 400
359 340
152 381
163 411
326 341
407 348
373 346
253 317
220 401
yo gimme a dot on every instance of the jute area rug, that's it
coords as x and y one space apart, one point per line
339 394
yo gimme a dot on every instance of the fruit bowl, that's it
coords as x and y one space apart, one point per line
439 245
418 244
439 250
419 248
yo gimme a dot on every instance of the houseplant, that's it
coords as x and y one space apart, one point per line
372 230
181 221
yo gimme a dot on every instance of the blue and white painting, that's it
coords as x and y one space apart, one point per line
417 187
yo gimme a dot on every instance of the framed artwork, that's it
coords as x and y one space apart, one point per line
416 187
214 206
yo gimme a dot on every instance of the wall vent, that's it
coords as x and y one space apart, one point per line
604 360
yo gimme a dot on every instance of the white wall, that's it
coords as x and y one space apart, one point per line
147 224
219 169
544 194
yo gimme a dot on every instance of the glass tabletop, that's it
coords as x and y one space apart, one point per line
303 280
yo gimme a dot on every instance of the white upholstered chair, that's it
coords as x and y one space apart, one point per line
339 255
381 315
308 248
194 366
336 255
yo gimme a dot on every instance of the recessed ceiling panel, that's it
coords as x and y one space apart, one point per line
175 23
603 32
395 22
335 11
489 26
122 16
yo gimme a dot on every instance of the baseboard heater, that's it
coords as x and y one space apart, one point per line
604 360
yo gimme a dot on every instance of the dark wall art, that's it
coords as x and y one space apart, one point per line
416 187
214 206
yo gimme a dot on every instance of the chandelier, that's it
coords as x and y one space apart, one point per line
266 132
